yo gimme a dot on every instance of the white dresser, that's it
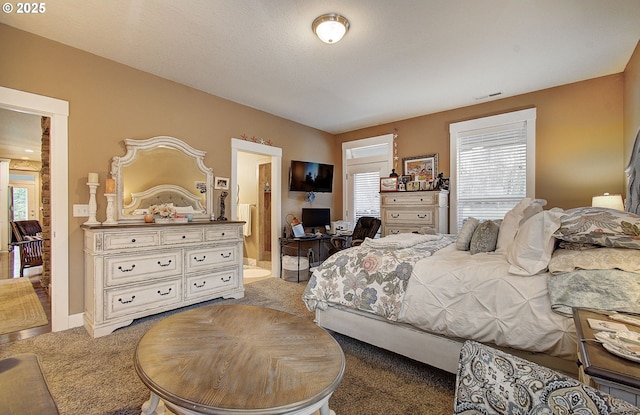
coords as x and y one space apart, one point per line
405 212
132 271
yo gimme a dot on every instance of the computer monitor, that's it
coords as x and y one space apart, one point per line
316 218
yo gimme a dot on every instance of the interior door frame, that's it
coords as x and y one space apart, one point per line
276 183
58 111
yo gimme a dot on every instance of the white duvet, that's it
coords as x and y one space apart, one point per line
474 297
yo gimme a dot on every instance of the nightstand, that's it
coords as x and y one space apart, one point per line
600 369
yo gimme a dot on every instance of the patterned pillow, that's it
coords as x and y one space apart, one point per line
463 242
565 260
600 226
484 237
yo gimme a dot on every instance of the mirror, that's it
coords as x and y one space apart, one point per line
161 170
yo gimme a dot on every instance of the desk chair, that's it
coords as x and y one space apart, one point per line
366 227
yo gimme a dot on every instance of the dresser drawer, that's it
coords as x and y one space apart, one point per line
127 240
133 268
222 233
393 230
183 236
207 284
409 198
130 300
418 217
204 258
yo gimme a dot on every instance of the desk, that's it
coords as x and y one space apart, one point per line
599 368
299 243
238 359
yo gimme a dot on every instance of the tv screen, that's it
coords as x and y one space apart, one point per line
316 217
307 176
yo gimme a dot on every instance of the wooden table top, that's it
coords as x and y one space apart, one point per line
598 361
229 358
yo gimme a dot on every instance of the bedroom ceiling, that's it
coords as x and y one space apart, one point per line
400 59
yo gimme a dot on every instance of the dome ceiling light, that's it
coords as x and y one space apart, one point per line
330 27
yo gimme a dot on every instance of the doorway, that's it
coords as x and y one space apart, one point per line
58 111
267 194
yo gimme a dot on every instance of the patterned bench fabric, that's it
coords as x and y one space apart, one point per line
490 381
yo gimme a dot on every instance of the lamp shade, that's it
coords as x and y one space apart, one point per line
331 27
608 201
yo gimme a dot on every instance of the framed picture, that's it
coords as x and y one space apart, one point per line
422 168
388 184
221 183
405 178
413 186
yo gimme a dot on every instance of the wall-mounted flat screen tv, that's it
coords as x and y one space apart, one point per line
307 176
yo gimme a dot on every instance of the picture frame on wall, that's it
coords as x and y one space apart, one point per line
221 183
422 168
388 184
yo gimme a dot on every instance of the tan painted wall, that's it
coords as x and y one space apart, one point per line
579 138
109 102
631 102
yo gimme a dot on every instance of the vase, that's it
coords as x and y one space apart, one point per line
148 218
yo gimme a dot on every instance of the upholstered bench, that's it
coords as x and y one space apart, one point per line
23 389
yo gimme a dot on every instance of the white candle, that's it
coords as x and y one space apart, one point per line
110 186
93 177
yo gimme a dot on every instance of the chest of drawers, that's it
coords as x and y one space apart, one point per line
405 212
133 271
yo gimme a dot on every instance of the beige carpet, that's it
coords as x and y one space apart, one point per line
96 376
20 307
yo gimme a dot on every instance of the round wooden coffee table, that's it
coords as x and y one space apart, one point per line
236 359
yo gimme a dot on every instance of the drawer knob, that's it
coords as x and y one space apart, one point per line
164 265
133 240
227 279
195 258
126 301
127 269
195 284
222 233
395 215
225 256
166 293
421 216
184 236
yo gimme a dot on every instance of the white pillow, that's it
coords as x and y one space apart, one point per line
533 245
466 232
509 225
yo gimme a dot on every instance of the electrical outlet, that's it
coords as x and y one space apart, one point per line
80 211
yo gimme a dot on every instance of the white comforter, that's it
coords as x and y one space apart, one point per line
452 289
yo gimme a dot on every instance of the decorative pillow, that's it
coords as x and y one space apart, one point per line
484 237
564 260
531 250
576 246
463 242
600 226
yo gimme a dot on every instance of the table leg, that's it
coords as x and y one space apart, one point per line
153 406
324 410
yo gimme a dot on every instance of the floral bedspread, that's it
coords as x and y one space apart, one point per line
372 277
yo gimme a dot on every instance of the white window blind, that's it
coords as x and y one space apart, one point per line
494 168
366 196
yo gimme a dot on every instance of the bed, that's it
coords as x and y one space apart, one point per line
508 283
181 199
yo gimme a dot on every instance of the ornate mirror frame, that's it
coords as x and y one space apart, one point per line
135 148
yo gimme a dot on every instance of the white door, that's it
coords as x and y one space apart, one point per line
25 195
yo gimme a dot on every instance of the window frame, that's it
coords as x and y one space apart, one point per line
528 116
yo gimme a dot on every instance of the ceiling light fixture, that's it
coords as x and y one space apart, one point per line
330 27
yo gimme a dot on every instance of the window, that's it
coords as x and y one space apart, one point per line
492 165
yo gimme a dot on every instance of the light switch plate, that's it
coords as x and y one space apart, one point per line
80 211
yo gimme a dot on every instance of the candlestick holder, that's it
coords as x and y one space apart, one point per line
93 207
110 211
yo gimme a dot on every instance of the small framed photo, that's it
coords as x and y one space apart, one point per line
405 178
221 183
422 168
201 187
388 184
413 186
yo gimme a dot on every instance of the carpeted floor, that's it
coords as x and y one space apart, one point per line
20 307
96 376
